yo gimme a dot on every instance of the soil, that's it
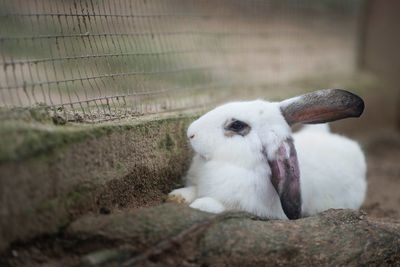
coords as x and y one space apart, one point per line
383 159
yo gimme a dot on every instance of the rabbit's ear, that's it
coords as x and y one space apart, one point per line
285 177
322 106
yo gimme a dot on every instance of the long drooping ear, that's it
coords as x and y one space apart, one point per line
322 106
285 177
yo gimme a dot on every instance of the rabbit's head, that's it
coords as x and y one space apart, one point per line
245 133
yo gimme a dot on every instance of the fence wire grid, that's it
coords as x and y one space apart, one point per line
96 60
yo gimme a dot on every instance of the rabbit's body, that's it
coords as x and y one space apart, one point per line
331 177
257 169
332 169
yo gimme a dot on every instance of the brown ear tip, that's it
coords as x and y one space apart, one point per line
359 107
355 102
322 106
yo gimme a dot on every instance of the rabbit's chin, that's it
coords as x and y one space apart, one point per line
200 150
203 157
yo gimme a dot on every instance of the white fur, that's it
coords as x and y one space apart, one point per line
230 173
208 204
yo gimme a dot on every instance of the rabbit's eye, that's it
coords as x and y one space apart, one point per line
236 127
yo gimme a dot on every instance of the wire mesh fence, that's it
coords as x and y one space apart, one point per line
96 60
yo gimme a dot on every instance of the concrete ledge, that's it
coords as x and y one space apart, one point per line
51 174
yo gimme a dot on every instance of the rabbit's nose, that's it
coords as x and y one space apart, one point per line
191 136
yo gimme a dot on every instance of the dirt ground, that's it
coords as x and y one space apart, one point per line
383 159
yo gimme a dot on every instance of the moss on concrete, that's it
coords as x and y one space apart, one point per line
21 140
51 174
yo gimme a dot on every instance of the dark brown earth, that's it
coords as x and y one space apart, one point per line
174 235
383 159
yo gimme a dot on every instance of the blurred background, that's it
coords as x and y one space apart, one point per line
100 60
70 67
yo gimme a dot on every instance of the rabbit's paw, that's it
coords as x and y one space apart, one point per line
182 195
207 204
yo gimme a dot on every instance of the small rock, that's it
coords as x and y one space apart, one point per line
98 258
104 210
58 120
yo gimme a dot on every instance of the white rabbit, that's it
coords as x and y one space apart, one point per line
245 158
